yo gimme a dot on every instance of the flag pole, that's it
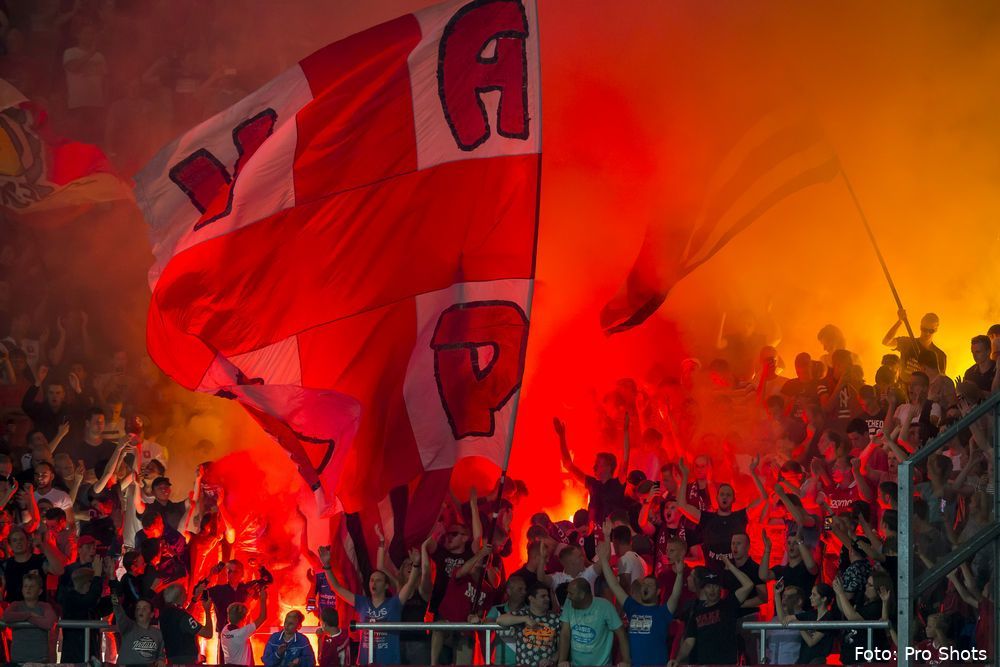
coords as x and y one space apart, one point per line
878 253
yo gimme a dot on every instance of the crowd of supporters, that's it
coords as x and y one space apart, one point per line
725 492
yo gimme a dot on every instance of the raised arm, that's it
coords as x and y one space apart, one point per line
688 510
426 586
261 608
746 583
844 603
764 570
755 474
406 592
61 434
889 339
675 592
864 488
604 555
346 595
470 564
567 458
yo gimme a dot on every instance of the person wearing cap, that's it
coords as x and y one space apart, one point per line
86 554
173 512
712 627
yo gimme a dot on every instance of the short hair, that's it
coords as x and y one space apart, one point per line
858 426
621 535
803 358
982 340
33 577
534 588
890 359
129 559
608 458
994 330
746 535
173 593
55 514
581 517
329 616
885 375
635 477
567 551
825 591
841 356
148 518
679 541
93 412
236 611
921 377
298 614
619 516
890 489
38 464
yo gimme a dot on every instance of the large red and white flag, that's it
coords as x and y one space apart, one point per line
349 251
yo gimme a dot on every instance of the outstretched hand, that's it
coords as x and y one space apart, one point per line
560 427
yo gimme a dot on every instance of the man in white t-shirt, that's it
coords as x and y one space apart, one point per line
631 566
235 635
45 475
574 564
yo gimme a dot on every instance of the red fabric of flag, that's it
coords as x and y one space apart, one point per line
356 239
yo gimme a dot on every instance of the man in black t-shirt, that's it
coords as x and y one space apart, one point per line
717 528
710 635
173 512
448 555
984 370
180 629
909 348
606 488
741 559
23 560
801 569
90 446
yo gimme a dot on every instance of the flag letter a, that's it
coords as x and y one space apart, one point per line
479 351
466 70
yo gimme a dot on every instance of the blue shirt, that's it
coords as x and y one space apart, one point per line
298 647
647 632
386 643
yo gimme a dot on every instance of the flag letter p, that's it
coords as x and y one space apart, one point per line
479 351
465 73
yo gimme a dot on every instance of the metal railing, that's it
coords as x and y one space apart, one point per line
372 628
762 627
909 586
67 625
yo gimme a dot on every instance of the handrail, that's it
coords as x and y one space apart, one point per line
68 624
965 422
908 585
763 626
371 628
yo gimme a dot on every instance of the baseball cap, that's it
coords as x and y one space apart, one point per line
710 578
636 477
159 481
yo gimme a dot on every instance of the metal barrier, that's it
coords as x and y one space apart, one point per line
372 628
68 625
909 587
762 627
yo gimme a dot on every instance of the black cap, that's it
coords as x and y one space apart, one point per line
159 481
710 578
